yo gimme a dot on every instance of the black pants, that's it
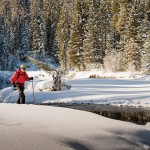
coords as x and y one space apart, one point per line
21 97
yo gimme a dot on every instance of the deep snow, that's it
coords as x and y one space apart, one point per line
134 92
30 127
36 127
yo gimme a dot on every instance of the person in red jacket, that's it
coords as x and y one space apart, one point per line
18 80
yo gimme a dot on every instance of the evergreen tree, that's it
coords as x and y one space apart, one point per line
77 32
4 34
42 29
88 42
121 24
52 10
73 44
133 24
62 33
82 19
115 38
98 32
25 41
25 44
114 8
146 56
144 23
19 9
105 29
132 56
38 29
145 52
4 47
77 35
132 49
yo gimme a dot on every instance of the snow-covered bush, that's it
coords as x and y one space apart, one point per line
113 62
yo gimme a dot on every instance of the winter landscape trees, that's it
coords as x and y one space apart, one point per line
77 34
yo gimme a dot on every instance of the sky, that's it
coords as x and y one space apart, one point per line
36 127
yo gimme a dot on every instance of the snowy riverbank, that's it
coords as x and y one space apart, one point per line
43 127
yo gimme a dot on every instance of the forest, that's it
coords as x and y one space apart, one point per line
76 34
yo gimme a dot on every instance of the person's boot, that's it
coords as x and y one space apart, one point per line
18 101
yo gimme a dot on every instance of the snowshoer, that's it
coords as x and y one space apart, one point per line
18 80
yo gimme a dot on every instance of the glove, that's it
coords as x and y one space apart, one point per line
14 85
17 84
31 78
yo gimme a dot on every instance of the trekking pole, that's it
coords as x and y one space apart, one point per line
33 92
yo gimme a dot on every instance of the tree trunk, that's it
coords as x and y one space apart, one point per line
57 81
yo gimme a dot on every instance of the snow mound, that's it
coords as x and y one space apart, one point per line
34 127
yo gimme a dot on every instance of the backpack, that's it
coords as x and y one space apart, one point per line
20 74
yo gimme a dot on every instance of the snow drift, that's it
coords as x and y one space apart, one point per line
41 127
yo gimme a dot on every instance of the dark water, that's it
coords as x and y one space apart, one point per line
125 113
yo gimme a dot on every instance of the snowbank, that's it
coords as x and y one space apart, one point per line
43 127
100 91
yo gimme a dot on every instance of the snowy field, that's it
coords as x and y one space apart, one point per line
32 127
120 91
37 127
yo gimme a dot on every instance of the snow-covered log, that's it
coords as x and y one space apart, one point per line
41 65
57 75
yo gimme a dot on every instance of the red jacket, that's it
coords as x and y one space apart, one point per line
19 77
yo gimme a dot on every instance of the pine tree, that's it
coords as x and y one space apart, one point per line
25 44
17 18
25 41
38 29
19 26
73 44
78 32
146 56
77 35
132 56
133 24
52 10
62 33
144 23
105 32
88 42
4 35
82 19
121 24
132 49
34 27
115 36
4 47
98 32
146 45
42 29
115 7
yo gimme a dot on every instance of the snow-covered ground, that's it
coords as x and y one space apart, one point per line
121 91
33 127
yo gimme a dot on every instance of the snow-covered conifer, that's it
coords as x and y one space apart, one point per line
4 46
